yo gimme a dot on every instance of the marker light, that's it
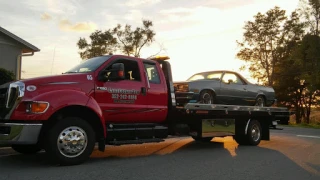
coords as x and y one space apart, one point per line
160 58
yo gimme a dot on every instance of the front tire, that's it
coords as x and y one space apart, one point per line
260 101
26 149
70 141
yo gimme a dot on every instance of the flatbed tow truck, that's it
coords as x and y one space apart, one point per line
116 100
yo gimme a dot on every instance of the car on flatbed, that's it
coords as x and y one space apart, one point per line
223 87
115 100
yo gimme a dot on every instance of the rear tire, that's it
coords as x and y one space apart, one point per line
253 136
26 149
70 141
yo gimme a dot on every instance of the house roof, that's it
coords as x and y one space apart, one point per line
27 46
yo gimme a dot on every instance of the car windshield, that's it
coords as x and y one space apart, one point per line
89 65
211 76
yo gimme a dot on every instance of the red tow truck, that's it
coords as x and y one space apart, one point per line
116 100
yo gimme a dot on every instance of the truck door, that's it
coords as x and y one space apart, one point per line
124 100
157 99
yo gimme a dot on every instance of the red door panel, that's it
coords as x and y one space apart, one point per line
157 93
123 101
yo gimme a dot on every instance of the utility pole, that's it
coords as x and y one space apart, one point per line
54 52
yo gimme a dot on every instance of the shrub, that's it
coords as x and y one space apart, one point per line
6 76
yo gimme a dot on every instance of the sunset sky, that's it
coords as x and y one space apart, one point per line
199 35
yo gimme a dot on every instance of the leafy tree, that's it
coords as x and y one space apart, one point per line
289 90
6 76
310 9
133 41
309 59
101 43
263 39
126 40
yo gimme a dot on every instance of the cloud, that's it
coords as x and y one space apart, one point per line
134 16
66 25
199 14
45 17
135 3
228 4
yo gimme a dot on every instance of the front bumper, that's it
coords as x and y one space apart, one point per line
19 133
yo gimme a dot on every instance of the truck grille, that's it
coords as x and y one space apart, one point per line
8 98
13 95
3 95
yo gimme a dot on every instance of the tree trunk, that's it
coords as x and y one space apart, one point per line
309 108
297 113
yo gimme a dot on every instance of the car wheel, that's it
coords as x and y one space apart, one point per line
260 101
206 97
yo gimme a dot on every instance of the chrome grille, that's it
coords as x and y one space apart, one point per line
3 95
10 96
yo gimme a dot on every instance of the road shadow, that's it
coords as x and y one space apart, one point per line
172 159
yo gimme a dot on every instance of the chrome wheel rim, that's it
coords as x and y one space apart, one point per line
72 142
255 132
260 102
207 99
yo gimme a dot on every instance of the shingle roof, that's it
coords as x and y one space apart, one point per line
30 47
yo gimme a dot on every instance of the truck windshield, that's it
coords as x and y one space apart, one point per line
89 65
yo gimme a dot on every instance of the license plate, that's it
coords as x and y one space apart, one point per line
274 123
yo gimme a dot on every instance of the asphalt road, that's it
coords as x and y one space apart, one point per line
293 153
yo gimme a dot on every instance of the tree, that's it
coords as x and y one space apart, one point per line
131 42
6 76
126 40
263 39
309 58
101 43
310 9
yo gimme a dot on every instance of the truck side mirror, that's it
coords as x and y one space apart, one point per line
115 73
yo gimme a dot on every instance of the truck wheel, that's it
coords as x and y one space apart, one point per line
202 139
206 97
26 148
70 141
253 136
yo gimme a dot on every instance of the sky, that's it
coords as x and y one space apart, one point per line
198 35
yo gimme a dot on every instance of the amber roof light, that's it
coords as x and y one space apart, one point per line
160 58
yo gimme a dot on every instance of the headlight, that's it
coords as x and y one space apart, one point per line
37 107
